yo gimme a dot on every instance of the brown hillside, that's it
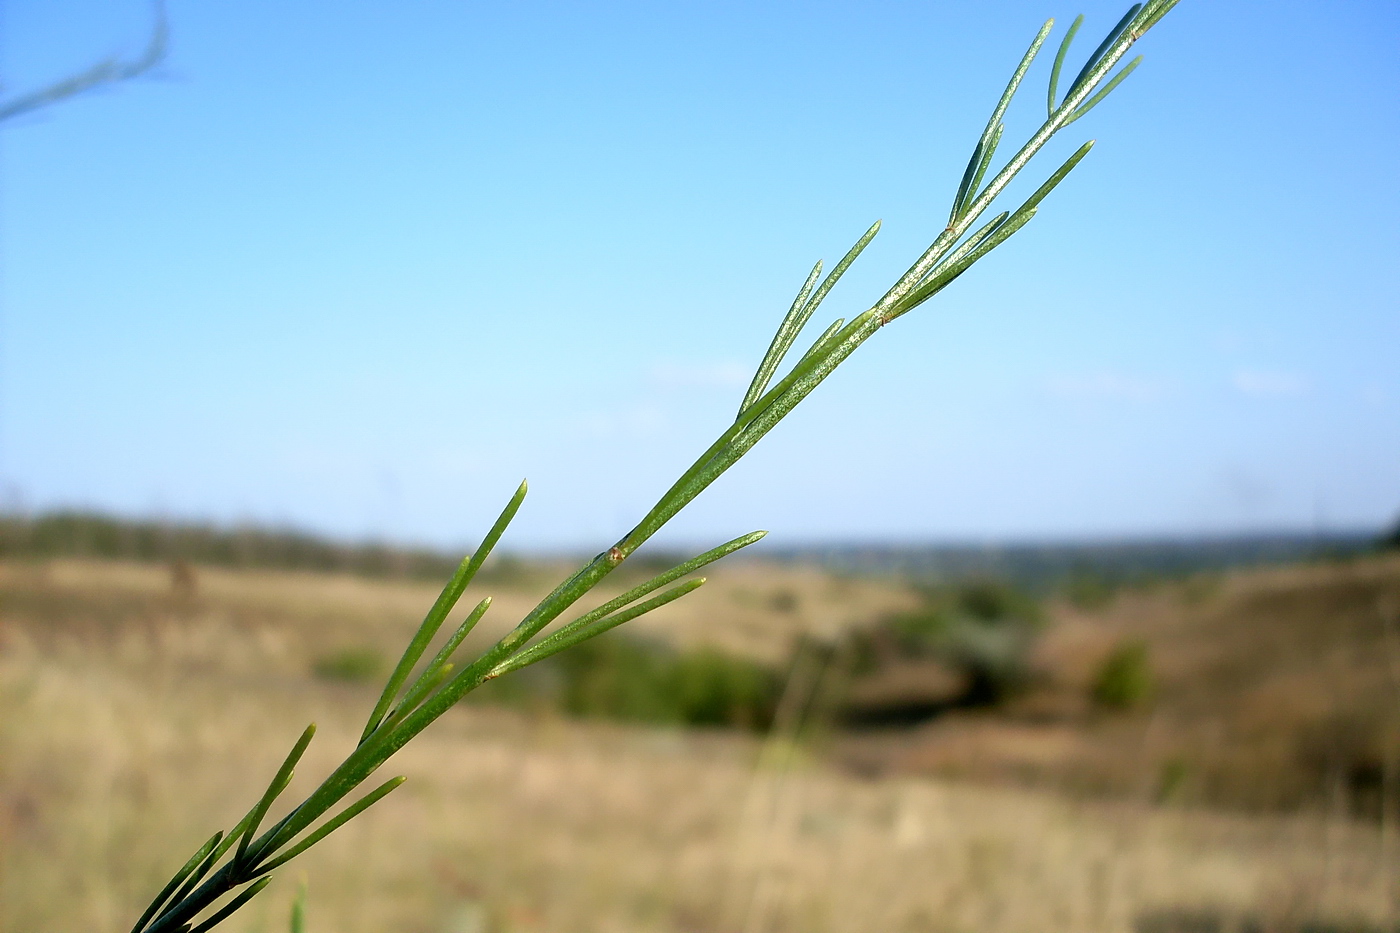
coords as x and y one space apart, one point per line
1268 688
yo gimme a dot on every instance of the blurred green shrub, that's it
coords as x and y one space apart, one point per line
1087 590
635 680
1124 679
351 665
982 627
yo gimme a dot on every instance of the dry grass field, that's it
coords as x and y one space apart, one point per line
137 716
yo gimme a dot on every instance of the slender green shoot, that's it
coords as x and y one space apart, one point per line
400 714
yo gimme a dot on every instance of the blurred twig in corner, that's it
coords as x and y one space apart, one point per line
108 71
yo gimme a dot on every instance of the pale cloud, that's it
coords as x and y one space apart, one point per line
1265 384
1106 385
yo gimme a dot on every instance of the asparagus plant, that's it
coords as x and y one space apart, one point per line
240 862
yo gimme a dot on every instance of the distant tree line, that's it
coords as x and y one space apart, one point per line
95 535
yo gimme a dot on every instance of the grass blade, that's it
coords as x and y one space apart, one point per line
279 784
562 640
792 325
450 594
1092 102
1059 63
180 876
1104 46
244 896
337 821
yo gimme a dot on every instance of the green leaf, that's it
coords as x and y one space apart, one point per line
1104 46
1154 12
274 789
1103 92
972 242
982 154
821 343
334 823
450 594
835 274
174 883
562 640
982 167
1059 63
792 325
966 184
195 878
417 692
1054 180
244 896
941 279
655 583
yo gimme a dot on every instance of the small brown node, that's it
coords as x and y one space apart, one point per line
615 555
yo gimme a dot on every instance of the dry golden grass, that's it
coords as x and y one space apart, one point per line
134 721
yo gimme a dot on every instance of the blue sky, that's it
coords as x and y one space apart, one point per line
360 267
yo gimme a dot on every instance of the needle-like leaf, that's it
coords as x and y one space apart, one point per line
987 144
244 896
450 594
440 659
554 645
835 274
1153 13
194 879
1051 106
822 342
650 586
945 275
971 242
274 789
1103 92
174 883
983 166
1108 40
337 821
792 325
